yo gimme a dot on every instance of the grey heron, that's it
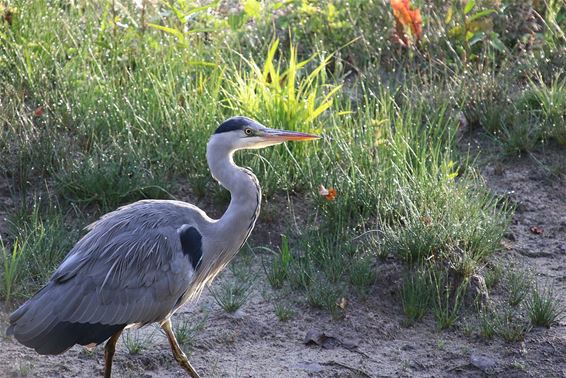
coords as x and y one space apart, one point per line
140 263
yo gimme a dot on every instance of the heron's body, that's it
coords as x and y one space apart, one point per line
140 263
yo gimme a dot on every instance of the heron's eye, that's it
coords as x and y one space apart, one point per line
248 131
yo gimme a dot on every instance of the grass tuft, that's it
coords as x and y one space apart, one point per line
416 296
447 298
230 296
283 312
40 240
518 285
277 272
187 330
362 276
544 307
136 341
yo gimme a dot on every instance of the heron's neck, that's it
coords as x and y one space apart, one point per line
239 219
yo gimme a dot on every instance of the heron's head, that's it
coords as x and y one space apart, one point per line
245 133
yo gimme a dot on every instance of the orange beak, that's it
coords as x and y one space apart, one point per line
284 135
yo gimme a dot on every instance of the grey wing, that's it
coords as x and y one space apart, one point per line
136 276
117 274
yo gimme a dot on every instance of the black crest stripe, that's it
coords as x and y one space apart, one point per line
191 243
234 123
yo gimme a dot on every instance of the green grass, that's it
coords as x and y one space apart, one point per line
322 294
487 326
416 296
283 312
231 295
278 269
447 297
40 238
187 330
97 113
518 286
362 276
136 341
508 323
544 306
493 274
512 326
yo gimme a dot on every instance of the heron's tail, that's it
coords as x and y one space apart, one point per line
37 325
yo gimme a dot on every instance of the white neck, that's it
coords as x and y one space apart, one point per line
239 219
229 233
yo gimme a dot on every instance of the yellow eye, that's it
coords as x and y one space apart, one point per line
248 131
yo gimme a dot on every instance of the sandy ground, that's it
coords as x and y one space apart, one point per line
371 340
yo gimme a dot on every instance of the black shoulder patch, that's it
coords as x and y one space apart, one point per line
234 123
191 242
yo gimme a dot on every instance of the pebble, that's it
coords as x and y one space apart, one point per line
482 362
311 367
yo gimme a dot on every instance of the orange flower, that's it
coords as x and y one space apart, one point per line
407 19
329 194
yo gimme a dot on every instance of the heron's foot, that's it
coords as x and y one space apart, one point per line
179 355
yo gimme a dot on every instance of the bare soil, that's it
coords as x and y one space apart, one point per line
370 340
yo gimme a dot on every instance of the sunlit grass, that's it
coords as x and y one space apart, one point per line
39 241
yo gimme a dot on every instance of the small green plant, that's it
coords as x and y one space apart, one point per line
544 306
40 242
278 270
301 273
231 295
493 275
24 369
447 298
416 296
12 261
510 325
283 97
547 103
518 286
487 324
472 28
283 312
136 340
187 330
520 138
322 294
362 276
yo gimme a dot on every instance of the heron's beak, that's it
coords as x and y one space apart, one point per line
274 135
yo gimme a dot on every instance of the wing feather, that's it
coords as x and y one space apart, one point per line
129 268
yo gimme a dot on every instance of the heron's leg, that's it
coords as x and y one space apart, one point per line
177 352
109 350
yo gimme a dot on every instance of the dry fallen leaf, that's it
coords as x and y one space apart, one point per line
507 245
8 14
322 339
38 112
537 230
328 340
329 194
342 303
